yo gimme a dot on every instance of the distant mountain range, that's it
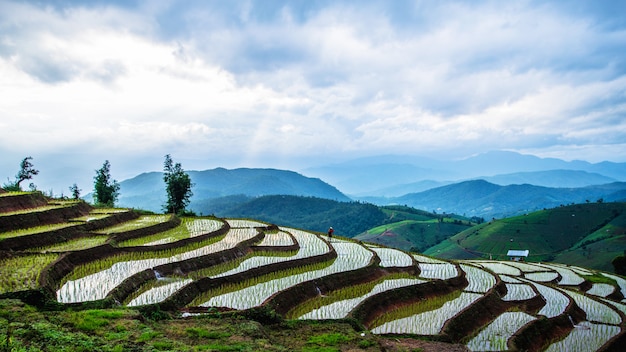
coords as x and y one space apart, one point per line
147 190
395 175
485 199
527 184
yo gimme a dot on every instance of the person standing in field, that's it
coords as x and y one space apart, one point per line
330 233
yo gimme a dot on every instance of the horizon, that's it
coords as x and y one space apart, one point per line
278 84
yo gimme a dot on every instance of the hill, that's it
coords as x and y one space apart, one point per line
316 214
582 234
485 199
147 190
414 230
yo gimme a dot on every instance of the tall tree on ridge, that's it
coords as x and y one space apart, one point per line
106 190
177 185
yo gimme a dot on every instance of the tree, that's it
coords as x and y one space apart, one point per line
75 191
106 190
26 173
177 185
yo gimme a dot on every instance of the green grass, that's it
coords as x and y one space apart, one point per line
557 234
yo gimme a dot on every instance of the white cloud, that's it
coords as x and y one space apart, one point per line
260 81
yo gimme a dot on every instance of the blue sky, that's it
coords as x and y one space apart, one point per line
291 84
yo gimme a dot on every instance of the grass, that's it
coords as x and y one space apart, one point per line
128 330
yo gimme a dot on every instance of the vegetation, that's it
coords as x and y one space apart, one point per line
106 189
243 304
27 171
589 235
177 185
316 214
415 230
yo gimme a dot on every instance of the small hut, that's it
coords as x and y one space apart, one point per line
517 255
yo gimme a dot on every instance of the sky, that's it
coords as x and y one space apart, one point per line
292 84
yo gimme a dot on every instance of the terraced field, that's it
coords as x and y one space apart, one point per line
82 257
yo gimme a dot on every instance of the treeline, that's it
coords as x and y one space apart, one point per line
347 218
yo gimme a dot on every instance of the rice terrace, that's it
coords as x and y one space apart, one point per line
95 278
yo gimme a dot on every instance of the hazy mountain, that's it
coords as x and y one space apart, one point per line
551 178
147 190
373 176
485 199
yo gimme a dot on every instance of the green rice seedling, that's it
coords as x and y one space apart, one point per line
142 221
440 271
479 280
568 277
601 289
430 322
500 268
585 336
342 294
73 245
390 257
237 286
424 305
36 230
494 336
596 311
342 308
350 256
518 292
157 291
542 276
112 271
621 282
244 223
556 301
278 238
189 227
22 273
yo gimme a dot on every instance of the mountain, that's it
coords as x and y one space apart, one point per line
147 190
373 176
551 178
589 234
485 199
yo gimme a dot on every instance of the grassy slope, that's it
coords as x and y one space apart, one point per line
410 228
589 235
126 329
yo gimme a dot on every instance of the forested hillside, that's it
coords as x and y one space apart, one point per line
316 214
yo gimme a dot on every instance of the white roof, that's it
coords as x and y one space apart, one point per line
517 253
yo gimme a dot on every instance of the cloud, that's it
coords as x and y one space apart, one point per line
257 82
